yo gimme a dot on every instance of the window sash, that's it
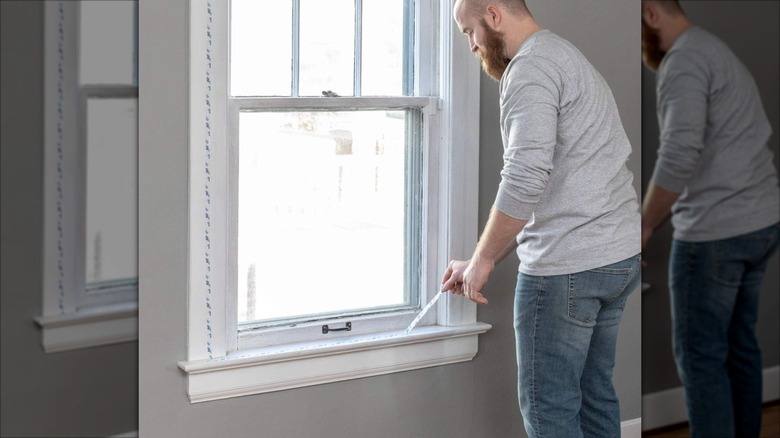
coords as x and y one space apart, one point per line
426 104
65 288
410 8
298 329
110 292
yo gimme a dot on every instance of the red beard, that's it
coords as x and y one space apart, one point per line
652 55
494 62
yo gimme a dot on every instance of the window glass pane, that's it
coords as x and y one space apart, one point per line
321 220
260 47
107 42
327 47
383 38
112 191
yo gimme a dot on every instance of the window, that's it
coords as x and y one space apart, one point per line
329 186
90 212
326 172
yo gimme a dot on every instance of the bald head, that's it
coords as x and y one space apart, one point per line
671 7
516 7
663 21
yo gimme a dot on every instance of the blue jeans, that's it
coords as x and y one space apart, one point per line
566 330
714 289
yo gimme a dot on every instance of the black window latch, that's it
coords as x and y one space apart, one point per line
347 328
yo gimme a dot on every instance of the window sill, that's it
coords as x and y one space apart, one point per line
89 327
293 366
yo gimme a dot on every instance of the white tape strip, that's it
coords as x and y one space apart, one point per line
423 312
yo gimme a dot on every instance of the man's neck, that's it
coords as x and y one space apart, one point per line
524 29
673 32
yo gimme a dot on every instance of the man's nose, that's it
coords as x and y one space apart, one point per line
473 45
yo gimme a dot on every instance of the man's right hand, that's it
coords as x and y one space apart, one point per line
460 272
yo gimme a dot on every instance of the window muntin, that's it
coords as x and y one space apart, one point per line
369 41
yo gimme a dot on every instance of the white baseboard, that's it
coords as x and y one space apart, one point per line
665 408
631 428
772 383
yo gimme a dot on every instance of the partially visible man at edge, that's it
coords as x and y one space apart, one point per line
714 176
567 204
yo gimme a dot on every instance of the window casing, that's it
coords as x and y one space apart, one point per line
226 360
79 309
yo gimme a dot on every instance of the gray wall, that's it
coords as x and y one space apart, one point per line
758 49
614 55
475 399
91 392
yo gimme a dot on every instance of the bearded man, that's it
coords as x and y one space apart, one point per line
567 205
714 176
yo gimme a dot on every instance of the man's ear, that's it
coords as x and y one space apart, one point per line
493 16
651 14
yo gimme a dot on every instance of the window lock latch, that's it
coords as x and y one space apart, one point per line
347 328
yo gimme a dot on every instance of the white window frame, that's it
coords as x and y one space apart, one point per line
289 333
73 318
220 365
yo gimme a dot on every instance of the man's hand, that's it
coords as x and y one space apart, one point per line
467 278
656 209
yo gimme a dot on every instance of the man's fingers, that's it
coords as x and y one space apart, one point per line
449 284
475 295
447 274
478 298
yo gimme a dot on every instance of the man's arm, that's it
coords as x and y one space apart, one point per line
682 109
499 237
497 241
656 209
530 118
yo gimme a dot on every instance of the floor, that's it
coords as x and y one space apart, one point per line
770 426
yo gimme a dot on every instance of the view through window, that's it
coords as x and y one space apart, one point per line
329 195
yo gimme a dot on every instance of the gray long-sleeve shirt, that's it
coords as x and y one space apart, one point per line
713 145
565 154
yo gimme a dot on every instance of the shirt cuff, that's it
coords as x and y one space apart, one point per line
508 204
667 180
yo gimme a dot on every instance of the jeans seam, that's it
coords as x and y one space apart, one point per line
627 277
533 360
570 300
685 340
626 280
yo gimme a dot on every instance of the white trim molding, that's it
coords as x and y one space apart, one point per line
91 327
447 91
665 408
631 428
297 365
72 317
